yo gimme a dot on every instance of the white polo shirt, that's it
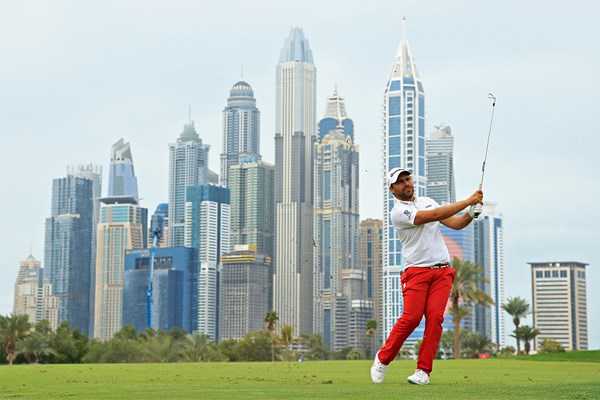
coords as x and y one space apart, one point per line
422 245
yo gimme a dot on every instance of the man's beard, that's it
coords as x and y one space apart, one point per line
407 197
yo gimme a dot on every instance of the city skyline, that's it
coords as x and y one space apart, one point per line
148 104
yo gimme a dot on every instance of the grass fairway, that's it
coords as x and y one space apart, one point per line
452 379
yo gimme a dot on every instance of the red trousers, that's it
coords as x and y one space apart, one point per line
425 292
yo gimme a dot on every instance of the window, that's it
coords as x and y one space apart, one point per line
563 274
539 274
546 274
555 274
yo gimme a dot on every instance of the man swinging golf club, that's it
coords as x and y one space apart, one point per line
428 276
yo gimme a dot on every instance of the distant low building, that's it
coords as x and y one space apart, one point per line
559 298
33 294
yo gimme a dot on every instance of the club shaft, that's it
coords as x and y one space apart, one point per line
487 146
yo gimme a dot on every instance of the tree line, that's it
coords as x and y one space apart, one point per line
23 342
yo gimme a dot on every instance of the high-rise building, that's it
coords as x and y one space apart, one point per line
123 225
121 177
244 291
251 189
358 311
460 244
68 249
160 221
294 138
489 254
403 146
439 152
241 129
336 219
371 232
251 185
33 294
559 292
207 229
93 173
174 288
335 117
188 166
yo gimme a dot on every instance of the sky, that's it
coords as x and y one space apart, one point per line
76 76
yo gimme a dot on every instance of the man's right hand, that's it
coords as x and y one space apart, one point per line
476 198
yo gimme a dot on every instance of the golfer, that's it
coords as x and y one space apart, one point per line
428 276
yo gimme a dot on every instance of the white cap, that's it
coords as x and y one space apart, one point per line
394 173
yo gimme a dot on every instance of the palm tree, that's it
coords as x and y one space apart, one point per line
517 308
371 329
527 333
196 346
12 329
287 337
464 289
271 319
33 347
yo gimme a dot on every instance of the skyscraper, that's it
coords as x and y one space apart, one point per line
33 294
251 185
241 129
336 220
294 138
244 291
371 232
336 118
121 177
560 303
188 166
68 248
93 173
403 146
207 224
489 254
123 225
160 221
439 152
251 190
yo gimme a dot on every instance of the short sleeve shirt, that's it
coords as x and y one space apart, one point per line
422 245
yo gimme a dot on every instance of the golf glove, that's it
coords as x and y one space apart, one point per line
475 210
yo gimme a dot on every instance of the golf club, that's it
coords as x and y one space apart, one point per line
487 146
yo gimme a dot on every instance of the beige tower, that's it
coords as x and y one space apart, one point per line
33 294
120 228
370 262
560 303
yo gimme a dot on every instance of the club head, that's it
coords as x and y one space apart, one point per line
491 96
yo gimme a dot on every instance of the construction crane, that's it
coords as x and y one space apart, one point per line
155 237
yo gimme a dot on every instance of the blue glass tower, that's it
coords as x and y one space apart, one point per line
160 222
489 253
175 288
404 146
68 249
121 178
241 129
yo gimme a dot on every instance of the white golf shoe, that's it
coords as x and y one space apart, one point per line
420 377
378 370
